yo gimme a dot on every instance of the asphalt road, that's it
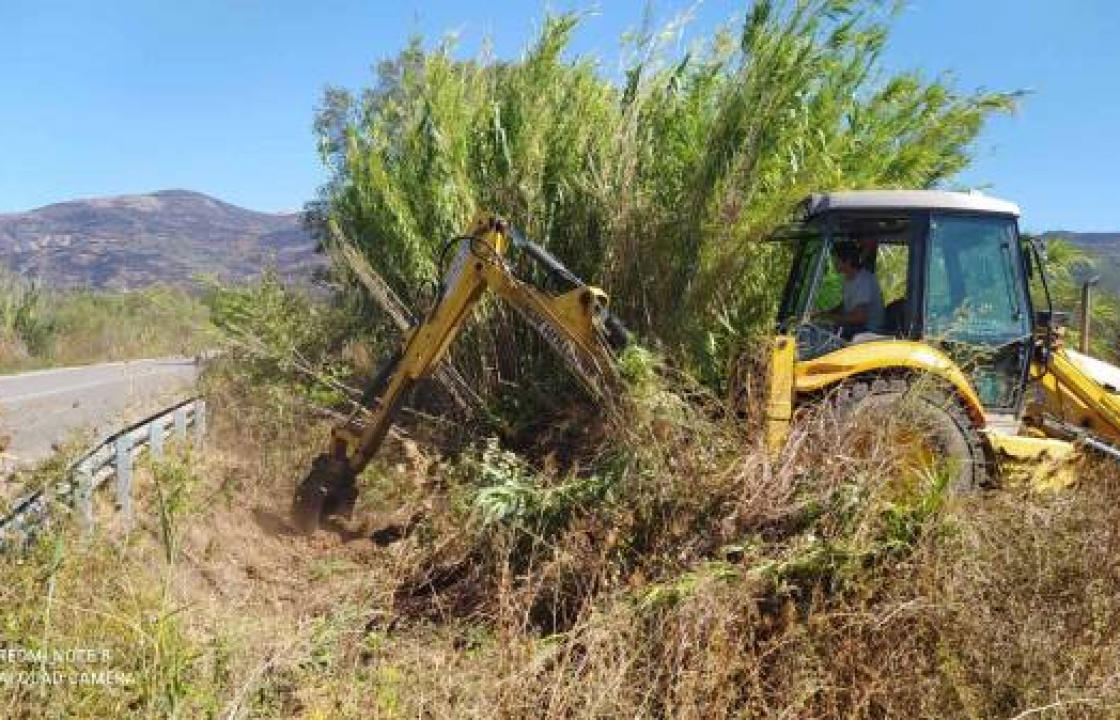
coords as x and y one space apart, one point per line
49 407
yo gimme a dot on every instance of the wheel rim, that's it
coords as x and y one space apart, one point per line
918 441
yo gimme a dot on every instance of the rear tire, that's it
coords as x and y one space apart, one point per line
919 406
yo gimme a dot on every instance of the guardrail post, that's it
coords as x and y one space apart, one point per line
84 479
181 422
124 476
155 438
199 420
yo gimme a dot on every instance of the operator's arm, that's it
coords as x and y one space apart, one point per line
860 291
856 316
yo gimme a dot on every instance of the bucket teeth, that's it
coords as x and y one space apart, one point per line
329 489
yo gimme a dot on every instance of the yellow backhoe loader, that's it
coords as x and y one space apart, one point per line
915 298
987 376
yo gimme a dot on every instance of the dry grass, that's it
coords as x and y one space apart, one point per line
669 569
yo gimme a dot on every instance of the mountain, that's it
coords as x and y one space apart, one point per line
171 236
1103 248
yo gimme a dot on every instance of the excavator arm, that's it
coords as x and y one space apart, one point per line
576 323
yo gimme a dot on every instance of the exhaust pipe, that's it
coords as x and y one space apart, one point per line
1086 312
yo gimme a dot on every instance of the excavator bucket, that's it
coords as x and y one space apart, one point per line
328 490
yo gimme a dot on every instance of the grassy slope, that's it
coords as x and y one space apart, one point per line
727 588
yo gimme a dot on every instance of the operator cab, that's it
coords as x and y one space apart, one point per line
949 266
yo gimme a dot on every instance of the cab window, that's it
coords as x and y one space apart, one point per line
974 289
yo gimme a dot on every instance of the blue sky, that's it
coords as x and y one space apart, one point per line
123 96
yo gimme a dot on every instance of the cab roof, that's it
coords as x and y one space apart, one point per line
818 203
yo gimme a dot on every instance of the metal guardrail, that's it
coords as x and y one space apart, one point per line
113 457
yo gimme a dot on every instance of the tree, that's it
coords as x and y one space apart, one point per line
659 188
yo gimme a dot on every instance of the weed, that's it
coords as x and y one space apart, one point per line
173 485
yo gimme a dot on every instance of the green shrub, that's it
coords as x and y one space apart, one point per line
1066 267
279 339
25 323
93 325
44 327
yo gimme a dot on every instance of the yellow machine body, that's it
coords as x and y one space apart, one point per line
1080 391
790 379
1073 397
962 297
